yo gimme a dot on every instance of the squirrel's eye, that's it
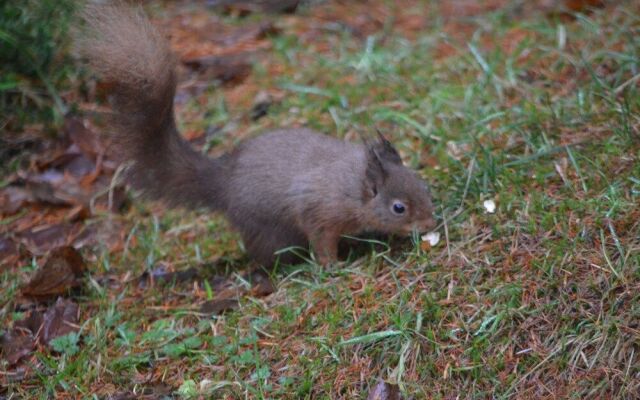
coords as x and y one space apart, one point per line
398 207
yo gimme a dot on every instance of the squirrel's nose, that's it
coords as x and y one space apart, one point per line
428 224
422 226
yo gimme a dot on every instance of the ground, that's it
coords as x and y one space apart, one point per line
532 106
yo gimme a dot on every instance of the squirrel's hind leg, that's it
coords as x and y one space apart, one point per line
263 243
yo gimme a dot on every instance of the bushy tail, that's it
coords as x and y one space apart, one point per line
133 59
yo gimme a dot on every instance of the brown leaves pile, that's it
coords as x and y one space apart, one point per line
60 274
66 181
39 328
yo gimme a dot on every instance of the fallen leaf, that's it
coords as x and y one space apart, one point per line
219 306
13 198
51 176
59 320
71 161
57 188
108 234
87 140
44 238
61 272
78 165
385 391
44 192
16 344
33 322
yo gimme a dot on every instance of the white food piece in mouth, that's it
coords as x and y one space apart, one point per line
489 206
432 237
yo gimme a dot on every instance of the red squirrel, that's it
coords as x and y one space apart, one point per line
284 188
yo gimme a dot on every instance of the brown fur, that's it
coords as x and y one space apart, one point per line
285 188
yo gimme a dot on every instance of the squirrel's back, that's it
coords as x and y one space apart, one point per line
271 172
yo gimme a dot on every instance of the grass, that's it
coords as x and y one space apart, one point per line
34 63
539 300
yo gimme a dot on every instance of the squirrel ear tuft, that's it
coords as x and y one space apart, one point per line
385 151
380 154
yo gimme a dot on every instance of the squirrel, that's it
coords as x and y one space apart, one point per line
283 188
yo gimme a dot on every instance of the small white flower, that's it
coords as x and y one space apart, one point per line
432 237
489 206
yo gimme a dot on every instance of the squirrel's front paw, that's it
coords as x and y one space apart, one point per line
326 261
325 247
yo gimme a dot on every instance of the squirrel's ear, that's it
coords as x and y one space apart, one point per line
381 153
375 173
385 151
